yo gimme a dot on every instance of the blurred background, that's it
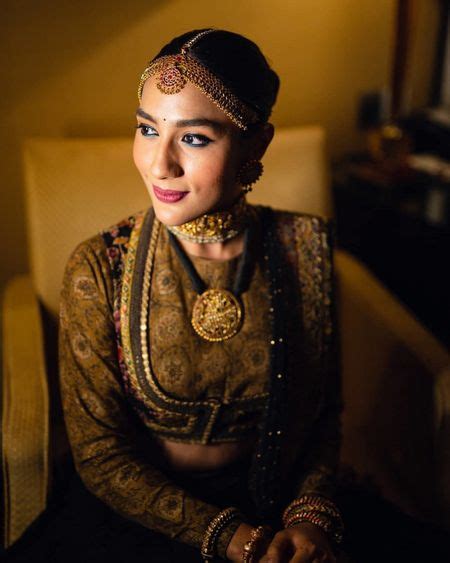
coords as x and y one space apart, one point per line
375 74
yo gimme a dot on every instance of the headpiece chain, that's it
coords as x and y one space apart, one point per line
174 71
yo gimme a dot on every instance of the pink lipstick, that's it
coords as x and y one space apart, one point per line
168 196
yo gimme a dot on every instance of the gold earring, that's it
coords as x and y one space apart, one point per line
249 173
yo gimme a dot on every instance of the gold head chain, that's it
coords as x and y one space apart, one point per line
174 71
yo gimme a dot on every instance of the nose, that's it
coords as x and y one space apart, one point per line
165 162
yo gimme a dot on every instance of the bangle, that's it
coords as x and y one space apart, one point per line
213 531
317 510
256 535
307 510
311 502
314 518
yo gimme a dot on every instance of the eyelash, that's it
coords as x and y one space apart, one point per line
204 141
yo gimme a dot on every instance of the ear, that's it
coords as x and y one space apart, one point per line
259 140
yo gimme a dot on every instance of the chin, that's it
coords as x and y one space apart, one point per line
171 216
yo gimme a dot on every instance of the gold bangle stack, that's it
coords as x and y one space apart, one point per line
317 510
256 536
213 531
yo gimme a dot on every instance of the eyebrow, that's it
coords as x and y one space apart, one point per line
197 121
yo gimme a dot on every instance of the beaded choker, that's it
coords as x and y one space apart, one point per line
215 227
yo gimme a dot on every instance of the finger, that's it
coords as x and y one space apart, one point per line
326 557
303 558
305 554
279 545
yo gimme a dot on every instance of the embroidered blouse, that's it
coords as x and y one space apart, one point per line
132 367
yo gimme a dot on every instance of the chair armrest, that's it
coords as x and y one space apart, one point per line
391 366
25 411
384 308
442 443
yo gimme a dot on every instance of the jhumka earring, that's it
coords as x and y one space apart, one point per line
249 173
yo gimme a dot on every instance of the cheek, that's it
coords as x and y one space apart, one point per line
140 154
212 170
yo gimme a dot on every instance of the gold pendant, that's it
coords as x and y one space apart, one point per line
217 315
171 80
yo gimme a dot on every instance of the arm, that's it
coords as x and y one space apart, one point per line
103 432
319 464
312 521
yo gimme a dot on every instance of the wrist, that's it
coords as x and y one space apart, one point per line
236 546
218 533
257 544
318 511
249 543
309 527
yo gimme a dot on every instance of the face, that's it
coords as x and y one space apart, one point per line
188 153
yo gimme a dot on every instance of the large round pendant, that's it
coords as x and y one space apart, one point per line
217 315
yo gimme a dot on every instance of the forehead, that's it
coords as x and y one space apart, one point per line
189 103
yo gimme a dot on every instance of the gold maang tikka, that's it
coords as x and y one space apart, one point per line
174 71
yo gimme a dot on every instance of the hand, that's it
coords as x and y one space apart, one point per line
303 543
240 537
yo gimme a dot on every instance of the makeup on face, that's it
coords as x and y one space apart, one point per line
168 196
196 151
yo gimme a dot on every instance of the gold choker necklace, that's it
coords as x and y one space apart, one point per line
215 227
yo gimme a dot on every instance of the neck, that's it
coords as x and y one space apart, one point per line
225 250
215 229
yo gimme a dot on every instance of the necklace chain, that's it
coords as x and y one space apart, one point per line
217 313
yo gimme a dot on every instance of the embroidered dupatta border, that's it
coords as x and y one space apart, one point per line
313 265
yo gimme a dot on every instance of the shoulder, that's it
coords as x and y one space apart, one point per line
94 258
292 225
97 247
302 220
118 235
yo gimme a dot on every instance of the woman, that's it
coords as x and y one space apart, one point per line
197 340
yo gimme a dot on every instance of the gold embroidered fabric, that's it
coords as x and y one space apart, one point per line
114 451
113 456
308 244
188 367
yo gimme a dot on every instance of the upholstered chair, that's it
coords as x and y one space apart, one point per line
396 387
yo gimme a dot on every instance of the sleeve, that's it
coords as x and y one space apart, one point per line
319 465
102 430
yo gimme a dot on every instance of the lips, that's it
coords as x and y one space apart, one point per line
168 196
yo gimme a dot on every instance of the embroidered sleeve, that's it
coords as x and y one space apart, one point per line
322 450
108 444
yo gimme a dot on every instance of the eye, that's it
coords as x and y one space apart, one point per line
147 130
196 140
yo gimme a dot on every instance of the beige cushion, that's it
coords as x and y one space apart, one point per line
296 174
25 421
76 187
390 368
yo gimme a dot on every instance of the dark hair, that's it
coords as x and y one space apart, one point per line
237 61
